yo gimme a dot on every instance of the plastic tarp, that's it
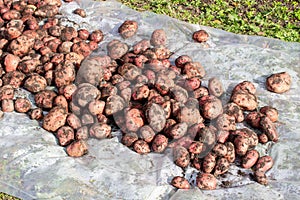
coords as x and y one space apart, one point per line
34 166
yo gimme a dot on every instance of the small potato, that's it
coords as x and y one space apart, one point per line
233 109
158 38
35 83
141 147
65 75
182 60
261 177
100 131
146 133
190 116
246 86
263 138
215 87
193 69
207 136
81 48
250 134
196 163
209 163
61 101
65 135
230 156
155 116
180 183
222 136
196 147
222 166
270 112
82 133
11 62
96 36
116 49
22 105
129 138
206 181
36 113
13 78
140 92
250 159
77 148
210 106
96 107
264 163
159 143
141 46
241 145
181 156
85 93
220 150
87 119
133 120
114 104
80 12
269 128
73 121
6 92
200 36
253 119
102 119
129 71
162 53
7 105
279 83
55 119
128 28
178 130
245 100
226 122
200 92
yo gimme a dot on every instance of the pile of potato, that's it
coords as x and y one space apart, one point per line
156 103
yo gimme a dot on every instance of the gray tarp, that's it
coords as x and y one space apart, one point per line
33 166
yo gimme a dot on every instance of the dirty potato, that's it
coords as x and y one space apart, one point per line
128 28
146 133
55 119
100 131
158 38
279 82
233 109
222 166
269 128
181 156
22 105
36 113
65 135
209 163
206 181
215 87
264 163
270 112
200 36
250 159
77 148
180 183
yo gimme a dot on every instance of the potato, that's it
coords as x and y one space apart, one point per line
133 119
222 166
140 61
85 93
222 136
253 119
146 133
210 106
200 36
65 75
141 147
200 92
180 183
129 71
215 87
250 159
44 99
190 116
179 94
65 135
96 36
100 131
128 28
167 108
73 121
77 148
206 181
270 112
87 119
162 53
279 82
141 46
55 119
264 163
245 86
252 136
96 107
80 12
116 49
81 48
226 122
159 143
269 129
158 37
36 113
114 104
14 78
207 136
245 100
82 133
11 62
263 138
129 138
140 92
181 156
7 105
22 105
35 83
220 150
193 69
108 90
182 60
196 147
233 109
155 116
209 163
261 177
178 130
241 145
230 156
6 92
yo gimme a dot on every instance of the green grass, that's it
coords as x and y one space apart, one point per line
271 18
4 196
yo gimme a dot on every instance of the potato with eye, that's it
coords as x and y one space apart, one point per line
206 181
128 28
36 113
279 82
180 183
215 87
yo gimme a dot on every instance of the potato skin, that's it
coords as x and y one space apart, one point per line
245 100
158 37
159 143
141 147
22 105
65 135
233 109
241 144
270 112
35 83
77 148
222 166
129 138
73 121
128 28
36 113
180 183
206 181
250 159
55 119
264 163
279 82
181 156
178 130
209 163
133 120
215 87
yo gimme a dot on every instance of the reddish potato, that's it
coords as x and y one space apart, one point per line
206 181
35 83
245 86
261 177
11 62
230 156
200 92
269 129
7 105
178 130
233 109
241 145
158 37
44 99
253 119
190 116
22 105
141 147
96 107
80 12
13 78
155 116
264 163
222 166
226 122
114 104
141 46
65 135
82 133
196 147
6 92
73 121
215 87
250 159
263 138
129 138
279 83
200 36
96 36
36 113
270 112
87 119
209 163
128 28
210 106
85 94
180 183
159 143
133 119
77 148
181 156
220 150
193 69
55 119
146 133
182 60
223 136
100 131
245 100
